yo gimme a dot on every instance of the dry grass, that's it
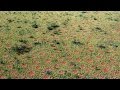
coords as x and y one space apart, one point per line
62 45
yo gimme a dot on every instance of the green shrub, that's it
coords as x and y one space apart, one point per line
53 26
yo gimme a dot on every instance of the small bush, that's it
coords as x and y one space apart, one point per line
23 41
95 18
10 20
37 43
22 32
48 72
73 64
31 37
35 26
98 29
21 49
56 42
2 62
102 46
57 32
53 26
19 27
96 68
76 42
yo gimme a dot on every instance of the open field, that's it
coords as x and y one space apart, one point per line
60 45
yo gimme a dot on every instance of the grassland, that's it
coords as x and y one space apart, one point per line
60 45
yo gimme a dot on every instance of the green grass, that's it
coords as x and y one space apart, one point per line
60 44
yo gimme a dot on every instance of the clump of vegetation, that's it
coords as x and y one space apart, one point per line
66 21
21 49
95 18
114 44
79 28
97 68
31 37
23 41
19 27
35 25
57 32
49 72
77 42
68 74
113 19
37 43
66 45
22 32
98 29
83 12
2 62
73 64
102 46
56 42
54 60
10 20
106 44
76 76
53 26
17 66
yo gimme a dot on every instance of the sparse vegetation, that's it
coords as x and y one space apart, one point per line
59 45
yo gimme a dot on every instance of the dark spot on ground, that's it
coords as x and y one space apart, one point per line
113 45
37 43
102 46
44 33
83 12
76 76
116 46
99 29
31 37
96 68
53 26
56 42
35 26
76 42
17 61
68 74
23 41
10 20
21 49
2 62
95 18
73 64
49 72
57 32
19 27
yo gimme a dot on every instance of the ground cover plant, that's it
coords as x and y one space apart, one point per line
59 45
